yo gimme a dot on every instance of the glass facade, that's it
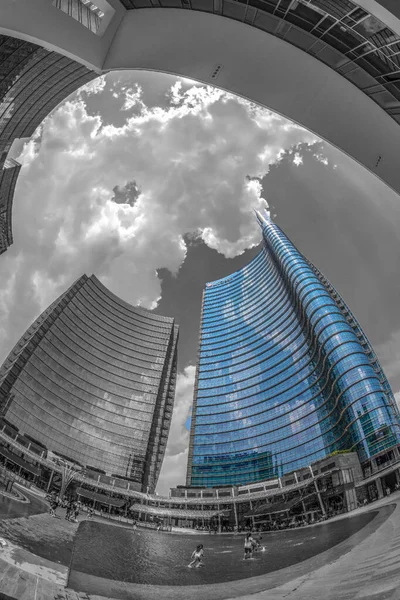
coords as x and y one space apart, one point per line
93 379
285 374
339 33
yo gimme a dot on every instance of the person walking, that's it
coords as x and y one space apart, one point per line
197 556
76 511
53 506
248 546
68 514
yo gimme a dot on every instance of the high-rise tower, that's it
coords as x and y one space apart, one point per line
93 379
8 178
33 81
285 374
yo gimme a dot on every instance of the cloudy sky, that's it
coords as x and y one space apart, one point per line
149 182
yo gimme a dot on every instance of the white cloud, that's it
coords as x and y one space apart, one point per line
176 93
173 471
321 158
133 97
93 87
397 398
297 159
191 162
389 355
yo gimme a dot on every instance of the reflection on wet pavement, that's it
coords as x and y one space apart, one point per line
161 558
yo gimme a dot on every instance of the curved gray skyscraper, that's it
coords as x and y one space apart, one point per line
93 379
285 374
33 81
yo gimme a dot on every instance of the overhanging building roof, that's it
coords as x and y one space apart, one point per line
177 513
340 33
102 498
329 65
19 461
274 508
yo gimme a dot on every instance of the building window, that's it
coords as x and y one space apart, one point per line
86 12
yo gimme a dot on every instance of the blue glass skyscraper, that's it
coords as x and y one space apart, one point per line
285 374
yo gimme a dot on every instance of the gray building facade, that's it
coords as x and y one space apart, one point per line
93 380
33 81
8 180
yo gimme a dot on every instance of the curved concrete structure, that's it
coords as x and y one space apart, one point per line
333 66
325 66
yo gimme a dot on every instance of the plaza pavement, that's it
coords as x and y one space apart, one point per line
369 571
365 566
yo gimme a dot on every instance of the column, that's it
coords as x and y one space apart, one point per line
320 499
302 502
252 518
50 480
378 483
236 517
350 498
318 493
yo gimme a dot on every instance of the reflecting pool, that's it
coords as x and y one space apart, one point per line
30 526
117 553
11 509
150 557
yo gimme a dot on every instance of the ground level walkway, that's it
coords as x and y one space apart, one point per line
365 566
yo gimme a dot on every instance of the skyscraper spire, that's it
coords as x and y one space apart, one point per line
262 217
